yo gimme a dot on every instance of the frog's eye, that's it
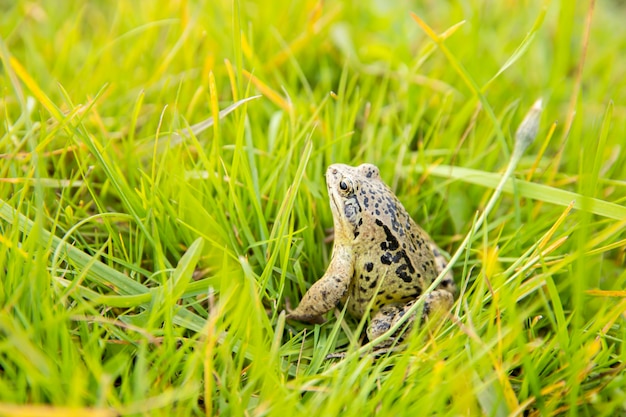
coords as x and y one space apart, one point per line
345 185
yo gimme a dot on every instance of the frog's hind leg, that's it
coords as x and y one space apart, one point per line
436 305
386 317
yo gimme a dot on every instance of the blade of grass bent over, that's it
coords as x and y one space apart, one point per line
528 189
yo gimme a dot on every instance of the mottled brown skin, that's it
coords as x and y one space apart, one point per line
379 253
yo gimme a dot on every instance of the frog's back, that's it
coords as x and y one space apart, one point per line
394 257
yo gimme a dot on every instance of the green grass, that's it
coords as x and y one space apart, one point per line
146 257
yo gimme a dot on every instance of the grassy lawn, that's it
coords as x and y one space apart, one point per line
162 202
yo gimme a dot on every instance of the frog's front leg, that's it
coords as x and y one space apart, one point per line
437 303
329 290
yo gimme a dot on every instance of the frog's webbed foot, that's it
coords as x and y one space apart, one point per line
295 315
304 317
436 304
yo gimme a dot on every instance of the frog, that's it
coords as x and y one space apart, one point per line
381 260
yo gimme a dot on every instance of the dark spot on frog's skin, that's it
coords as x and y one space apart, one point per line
402 273
369 266
391 206
356 228
386 258
396 227
362 289
428 266
366 202
373 284
391 243
402 255
366 278
389 297
406 270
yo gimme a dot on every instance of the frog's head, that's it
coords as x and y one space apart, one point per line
347 188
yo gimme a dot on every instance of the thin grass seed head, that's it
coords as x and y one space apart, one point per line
528 129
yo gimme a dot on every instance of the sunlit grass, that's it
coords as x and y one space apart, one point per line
156 219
